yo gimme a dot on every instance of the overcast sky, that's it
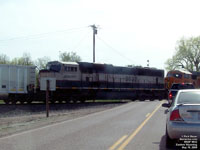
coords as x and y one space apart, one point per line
129 31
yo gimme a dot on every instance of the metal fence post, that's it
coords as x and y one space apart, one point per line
47 99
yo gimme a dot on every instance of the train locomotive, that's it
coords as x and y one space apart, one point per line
81 81
182 76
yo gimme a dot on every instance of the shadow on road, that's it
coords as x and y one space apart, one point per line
162 145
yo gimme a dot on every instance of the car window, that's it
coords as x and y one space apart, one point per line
186 86
190 86
189 97
174 86
182 86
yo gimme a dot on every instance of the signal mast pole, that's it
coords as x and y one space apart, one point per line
94 32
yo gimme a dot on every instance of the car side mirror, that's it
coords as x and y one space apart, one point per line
166 105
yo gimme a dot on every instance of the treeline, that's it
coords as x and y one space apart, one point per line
187 55
26 59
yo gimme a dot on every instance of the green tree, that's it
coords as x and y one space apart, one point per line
187 55
41 64
69 56
4 59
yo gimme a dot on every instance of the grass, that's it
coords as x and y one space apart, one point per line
2 102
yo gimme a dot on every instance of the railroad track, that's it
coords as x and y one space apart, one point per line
35 108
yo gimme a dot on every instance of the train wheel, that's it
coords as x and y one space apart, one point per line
22 102
66 101
29 102
75 101
6 102
12 99
60 101
142 99
82 100
151 99
13 102
52 102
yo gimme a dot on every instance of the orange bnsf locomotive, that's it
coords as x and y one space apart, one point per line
182 76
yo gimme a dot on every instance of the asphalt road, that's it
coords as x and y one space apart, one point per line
133 126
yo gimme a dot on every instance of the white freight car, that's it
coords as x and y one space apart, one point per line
16 80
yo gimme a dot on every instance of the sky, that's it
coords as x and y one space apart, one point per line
130 32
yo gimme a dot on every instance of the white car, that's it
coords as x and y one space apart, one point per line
183 119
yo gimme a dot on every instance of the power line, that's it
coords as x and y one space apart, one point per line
80 41
33 36
119 53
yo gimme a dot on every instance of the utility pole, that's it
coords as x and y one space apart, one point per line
94 32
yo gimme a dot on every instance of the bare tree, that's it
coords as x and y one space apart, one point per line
41 62
4 59
24 60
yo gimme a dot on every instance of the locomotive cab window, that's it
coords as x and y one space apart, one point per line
55 68
177 75
70 69
187 76
169 75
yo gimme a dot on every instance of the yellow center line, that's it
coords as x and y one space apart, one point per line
147 115
118 142
138 129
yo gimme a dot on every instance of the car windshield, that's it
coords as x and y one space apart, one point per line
189 98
